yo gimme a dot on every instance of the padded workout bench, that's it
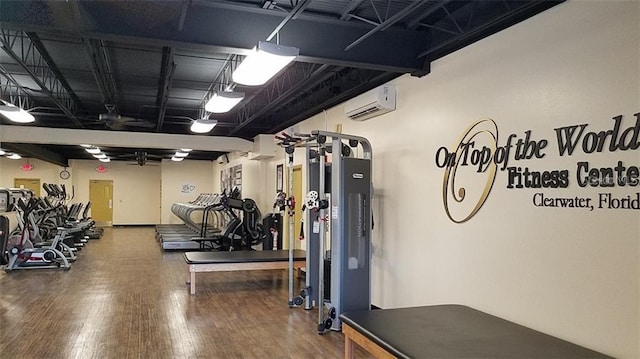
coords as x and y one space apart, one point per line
450 331
239 261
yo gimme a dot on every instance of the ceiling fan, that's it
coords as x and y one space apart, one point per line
115 121
142 158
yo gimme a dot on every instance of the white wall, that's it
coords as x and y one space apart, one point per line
572 273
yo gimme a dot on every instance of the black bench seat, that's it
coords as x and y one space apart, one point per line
450 331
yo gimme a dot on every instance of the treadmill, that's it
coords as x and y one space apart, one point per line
201 218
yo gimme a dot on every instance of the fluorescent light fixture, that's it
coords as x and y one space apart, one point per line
177 159
106 159
14 113
14 156
2 152
223 101
86 146
203 125
100 156
264 61
181 154
186 149
93 150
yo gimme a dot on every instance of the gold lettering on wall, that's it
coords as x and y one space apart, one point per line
472 148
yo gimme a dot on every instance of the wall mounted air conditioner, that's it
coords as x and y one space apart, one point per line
372 103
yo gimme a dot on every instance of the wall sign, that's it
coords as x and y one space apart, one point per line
101 169
187 188
279 178
230 178
26 167
475 159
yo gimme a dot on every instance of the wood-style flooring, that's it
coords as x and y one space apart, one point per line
126 298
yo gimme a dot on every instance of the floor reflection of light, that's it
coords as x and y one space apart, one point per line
94 310
184 343
10 312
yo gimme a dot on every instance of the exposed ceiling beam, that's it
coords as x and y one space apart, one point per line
288 93
385 25
11 90
220 82
35 151
28 52
430 10
347 10
183 14
216 26
58 136
299 8
167 71
101 68
487 28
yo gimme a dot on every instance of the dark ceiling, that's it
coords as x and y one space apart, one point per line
159 61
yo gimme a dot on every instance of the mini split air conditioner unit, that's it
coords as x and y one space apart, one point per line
372 103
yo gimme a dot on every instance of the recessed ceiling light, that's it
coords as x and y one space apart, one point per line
93 150
177 159
181 154
14 156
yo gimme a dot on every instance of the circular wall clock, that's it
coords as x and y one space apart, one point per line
64 174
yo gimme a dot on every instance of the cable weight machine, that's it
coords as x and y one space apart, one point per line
283 202
339 195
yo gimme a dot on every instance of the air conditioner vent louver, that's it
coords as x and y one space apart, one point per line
365 112
372 103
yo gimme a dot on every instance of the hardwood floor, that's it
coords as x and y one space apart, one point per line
126 298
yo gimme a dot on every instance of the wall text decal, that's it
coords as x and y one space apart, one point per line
477 152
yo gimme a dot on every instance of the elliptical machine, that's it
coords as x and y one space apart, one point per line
20 250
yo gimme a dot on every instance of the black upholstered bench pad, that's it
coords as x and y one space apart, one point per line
241 256
455 331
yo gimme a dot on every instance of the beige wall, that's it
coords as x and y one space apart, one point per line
136 189
183 182
258 179
572 273
46 172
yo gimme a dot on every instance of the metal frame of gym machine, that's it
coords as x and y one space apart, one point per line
350 225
